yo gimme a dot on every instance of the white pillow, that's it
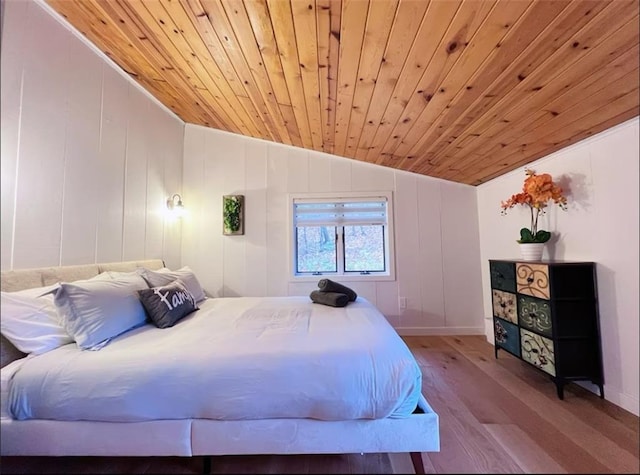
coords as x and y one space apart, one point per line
165 276
102 276
95 311
44 292
30 322
114 275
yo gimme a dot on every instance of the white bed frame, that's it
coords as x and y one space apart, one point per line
204 437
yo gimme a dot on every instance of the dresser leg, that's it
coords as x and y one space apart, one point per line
601 386
495 349
560 389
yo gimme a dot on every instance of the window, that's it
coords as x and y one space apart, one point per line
346 235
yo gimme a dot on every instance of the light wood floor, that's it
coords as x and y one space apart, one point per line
496 416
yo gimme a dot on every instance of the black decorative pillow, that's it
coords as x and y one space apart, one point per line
167 304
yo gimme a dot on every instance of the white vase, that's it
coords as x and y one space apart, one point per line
531 251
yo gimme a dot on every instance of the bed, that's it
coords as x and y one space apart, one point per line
241 375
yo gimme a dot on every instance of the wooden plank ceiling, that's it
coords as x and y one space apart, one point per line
459 90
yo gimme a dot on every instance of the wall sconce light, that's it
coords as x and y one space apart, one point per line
175 206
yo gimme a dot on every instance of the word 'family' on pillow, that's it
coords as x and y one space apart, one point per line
166 305
164 276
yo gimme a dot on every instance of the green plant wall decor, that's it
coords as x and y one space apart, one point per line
233 214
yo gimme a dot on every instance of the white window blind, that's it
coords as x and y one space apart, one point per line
340 212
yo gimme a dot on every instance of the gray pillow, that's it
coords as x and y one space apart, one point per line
164 276
94 311
167 304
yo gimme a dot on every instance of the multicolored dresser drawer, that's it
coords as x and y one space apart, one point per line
535 315
504 305
538 351
503 276
507 336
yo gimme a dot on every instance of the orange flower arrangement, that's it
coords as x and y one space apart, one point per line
537 192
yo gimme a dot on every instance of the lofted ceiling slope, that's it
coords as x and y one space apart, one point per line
459 90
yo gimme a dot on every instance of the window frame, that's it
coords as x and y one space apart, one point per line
389 231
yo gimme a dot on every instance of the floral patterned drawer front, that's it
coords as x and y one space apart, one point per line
504 306
535 314
538 351
533 279
506 336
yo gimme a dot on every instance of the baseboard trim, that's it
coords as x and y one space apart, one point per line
629 403
620 399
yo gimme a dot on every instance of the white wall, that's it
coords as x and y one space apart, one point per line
601 225
436 229
88 159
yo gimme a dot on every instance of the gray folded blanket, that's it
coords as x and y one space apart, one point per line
327 285
333 299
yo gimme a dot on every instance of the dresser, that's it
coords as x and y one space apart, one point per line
546 314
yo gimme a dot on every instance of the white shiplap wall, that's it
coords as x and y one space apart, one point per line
601 225
436 229
88 158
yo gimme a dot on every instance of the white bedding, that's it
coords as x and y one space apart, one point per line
234 359
6 374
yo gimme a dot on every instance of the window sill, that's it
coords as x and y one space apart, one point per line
344 278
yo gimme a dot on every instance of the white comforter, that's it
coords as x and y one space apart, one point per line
235 358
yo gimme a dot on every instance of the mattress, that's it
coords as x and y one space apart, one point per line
240 358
